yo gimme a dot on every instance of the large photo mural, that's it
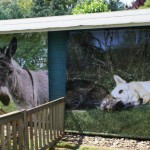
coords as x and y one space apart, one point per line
108 73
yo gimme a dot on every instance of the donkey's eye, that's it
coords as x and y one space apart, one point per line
120 91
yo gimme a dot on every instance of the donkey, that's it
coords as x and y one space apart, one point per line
27 88
132 94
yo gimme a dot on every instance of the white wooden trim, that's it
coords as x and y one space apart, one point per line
128 18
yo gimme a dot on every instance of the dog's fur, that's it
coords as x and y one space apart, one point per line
127 95
132 93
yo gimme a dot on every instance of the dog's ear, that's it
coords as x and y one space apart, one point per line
11 50
118 80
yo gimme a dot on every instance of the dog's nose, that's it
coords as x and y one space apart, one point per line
141 101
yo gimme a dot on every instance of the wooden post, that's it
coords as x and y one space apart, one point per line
57 48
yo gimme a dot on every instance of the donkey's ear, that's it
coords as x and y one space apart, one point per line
12 48
118 80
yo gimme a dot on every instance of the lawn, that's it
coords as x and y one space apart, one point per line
128 123
9 108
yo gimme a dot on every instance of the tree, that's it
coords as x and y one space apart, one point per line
42 8
146 4
90 6
115 5
10 10
25 7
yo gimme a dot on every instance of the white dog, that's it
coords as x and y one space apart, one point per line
132 93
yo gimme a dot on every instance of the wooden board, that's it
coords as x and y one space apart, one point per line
128 18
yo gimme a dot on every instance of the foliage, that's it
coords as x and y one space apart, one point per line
25 7
42 8
146 4
10 10
10 108
115 5
90 6
93 6
30 52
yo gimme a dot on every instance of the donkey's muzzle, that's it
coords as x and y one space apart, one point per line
5 99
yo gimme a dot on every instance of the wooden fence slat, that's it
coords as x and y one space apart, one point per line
14 134
8 135
2 137
47 125
51 122
31 132
43 126
20 134
60 120
39 129
57 119
36 131
63 116
26 133
54 123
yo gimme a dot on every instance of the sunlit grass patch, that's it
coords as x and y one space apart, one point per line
11 107
68 145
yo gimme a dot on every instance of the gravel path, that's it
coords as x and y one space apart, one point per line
111 143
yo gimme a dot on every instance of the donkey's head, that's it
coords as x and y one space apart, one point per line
125 92
6 70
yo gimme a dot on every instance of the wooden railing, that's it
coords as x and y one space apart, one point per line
37 128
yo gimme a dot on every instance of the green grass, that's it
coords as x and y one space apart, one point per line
11 107
69 146
66 145
134 122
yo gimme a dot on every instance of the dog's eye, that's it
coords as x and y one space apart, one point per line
120 91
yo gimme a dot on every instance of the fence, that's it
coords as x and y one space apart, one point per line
37 128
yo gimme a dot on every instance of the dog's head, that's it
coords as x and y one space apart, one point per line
125 93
